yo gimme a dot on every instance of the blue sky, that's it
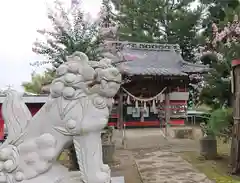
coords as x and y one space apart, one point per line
19 21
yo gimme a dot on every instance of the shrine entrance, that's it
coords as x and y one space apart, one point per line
149 102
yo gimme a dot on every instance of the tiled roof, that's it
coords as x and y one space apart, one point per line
156 62
139 62
124 68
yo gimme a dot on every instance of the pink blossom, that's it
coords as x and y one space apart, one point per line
214 28
229 35
237 30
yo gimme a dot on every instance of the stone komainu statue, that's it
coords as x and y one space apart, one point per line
77 109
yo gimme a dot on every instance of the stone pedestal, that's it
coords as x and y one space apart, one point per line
108 152
117 180
208 147
181 132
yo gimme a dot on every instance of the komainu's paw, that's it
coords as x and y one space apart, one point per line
9 159
105 168
101 177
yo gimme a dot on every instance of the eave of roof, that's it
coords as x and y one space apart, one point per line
194 68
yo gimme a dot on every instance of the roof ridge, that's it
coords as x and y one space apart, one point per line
147 46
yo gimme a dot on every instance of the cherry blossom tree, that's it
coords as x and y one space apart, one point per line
72 30
220 49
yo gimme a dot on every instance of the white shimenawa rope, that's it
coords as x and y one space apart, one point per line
146 99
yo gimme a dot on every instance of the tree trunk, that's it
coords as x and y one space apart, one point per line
235 147
208 147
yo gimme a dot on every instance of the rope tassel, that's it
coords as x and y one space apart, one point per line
145 106
161 98
128 100
154 106
136 104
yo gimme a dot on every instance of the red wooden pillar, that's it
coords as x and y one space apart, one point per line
235 146
1 124
120 122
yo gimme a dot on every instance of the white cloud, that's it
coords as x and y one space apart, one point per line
19 21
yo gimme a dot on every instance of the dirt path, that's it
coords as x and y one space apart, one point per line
155 158
167 167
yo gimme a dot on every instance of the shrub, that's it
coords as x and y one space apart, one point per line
221 122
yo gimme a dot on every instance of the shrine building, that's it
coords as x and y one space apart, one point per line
155 84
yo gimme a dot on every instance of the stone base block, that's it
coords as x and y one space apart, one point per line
117 179
181 133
